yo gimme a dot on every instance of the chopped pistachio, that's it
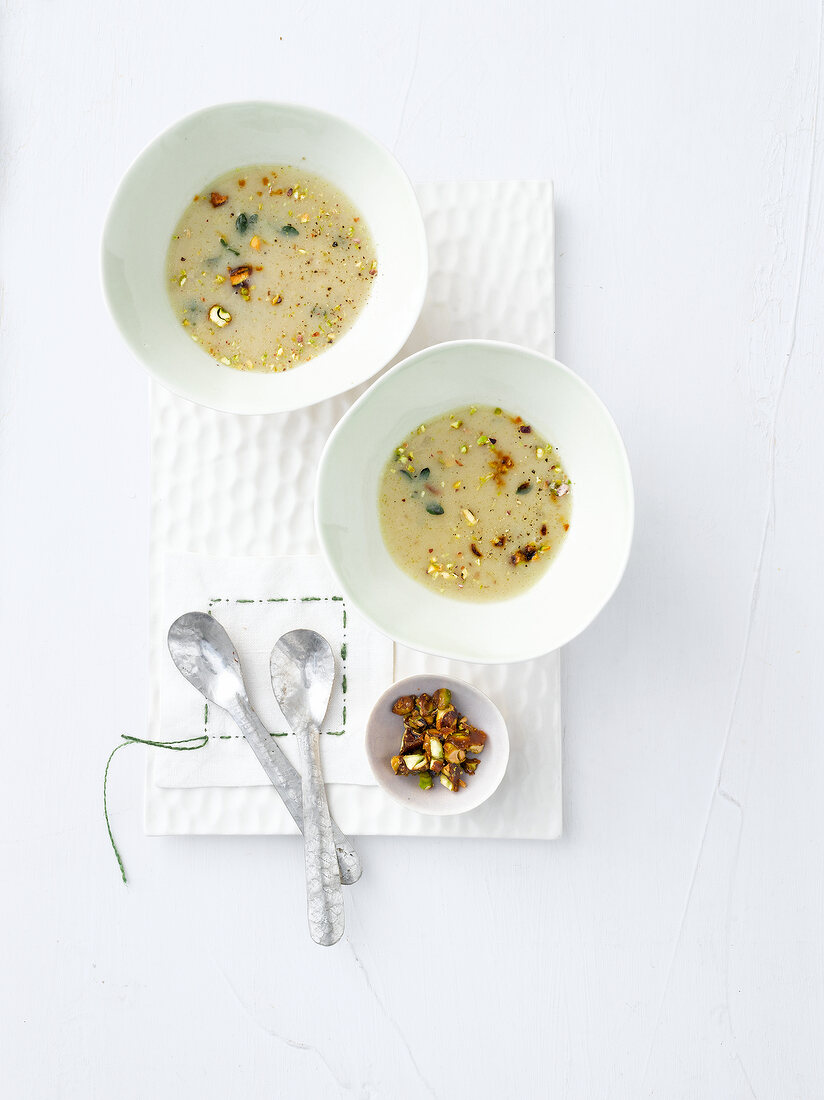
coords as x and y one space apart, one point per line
239 275
219 316
405 704
448 779
452 753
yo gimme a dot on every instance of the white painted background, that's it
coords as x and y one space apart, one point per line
671 945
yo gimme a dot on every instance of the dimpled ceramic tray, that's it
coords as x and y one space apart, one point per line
241 485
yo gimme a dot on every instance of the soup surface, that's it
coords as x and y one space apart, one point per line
475 503
269 266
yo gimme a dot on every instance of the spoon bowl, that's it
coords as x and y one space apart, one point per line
204 653
302 667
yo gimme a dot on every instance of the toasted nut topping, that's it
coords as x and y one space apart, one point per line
404 705
470 517
255 243
453 754
219 316
436 740
217 199
239 275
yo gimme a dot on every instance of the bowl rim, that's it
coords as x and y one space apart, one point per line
399 636
329 116
449 682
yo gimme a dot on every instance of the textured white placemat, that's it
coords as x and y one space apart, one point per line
232 485
257 600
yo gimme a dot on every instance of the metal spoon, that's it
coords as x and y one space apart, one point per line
303 672
204 653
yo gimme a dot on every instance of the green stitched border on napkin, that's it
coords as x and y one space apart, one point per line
286 599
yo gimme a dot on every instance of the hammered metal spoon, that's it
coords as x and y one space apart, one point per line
203 652
302 667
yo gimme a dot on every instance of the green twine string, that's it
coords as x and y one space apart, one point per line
188 744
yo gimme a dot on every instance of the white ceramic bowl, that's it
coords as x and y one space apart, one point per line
178 164
383 737
589 565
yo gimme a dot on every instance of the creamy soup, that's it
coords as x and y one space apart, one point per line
475 503
269 266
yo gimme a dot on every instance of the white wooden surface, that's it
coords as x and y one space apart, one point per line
671 944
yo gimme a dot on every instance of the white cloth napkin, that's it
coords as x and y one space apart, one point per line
257 600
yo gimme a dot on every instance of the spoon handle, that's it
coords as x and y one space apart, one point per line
287 782
324 895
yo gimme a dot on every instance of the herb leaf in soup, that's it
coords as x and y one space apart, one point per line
289 231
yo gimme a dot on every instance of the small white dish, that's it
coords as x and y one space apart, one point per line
589 565
183 160
383 737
